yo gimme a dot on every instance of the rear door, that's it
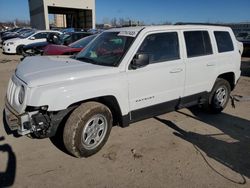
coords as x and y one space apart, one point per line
200 61
40 37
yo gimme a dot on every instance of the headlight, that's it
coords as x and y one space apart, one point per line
10 43
21 95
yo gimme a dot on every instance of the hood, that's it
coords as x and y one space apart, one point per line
11 35
54 49
13 40
38 71
36 45
58 47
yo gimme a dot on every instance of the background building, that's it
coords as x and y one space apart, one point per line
73 13
60 20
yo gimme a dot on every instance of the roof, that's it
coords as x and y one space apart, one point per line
167 27
48 31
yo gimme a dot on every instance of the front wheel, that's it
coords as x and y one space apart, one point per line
219 96
87 129
19 49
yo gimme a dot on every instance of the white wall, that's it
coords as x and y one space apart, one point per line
41 20
79 4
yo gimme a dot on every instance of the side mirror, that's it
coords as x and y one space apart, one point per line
139 61
32 38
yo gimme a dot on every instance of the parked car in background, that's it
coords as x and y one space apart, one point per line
9 31
38 47
15 34
15 46
95 31
244 37
68 38
64 39
71 49
4 33
71 30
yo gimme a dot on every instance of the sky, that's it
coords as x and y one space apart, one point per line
156 11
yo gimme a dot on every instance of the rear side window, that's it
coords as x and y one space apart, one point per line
224 41
161 47
41 35
197 43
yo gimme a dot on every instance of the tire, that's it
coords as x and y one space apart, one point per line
19 49
87 129
218 97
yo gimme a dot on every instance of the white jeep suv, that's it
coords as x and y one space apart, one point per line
123 76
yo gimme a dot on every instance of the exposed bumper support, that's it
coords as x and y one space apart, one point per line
42 123
20 122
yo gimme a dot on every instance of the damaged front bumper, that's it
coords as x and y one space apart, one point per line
18 122
42 123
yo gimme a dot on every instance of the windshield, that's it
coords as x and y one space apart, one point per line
26 34
23 31
107 49
63 38
82 43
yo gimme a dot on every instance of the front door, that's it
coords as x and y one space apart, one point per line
160 85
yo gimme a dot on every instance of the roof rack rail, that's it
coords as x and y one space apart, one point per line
195 23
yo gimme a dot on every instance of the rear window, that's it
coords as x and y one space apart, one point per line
224 41
197 43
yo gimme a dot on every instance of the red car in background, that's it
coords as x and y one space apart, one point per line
71 49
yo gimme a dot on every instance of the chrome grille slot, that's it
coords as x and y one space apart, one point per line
8 91
11 91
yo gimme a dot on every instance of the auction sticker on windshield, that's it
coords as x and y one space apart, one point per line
128 33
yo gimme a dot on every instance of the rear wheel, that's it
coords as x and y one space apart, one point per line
87 129
219 96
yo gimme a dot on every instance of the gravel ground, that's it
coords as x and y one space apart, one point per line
187 148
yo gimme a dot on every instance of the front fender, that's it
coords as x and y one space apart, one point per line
61 95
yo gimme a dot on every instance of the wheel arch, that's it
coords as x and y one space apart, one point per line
111 102
19 49
230 77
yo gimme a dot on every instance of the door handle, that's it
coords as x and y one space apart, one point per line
176 70
210 65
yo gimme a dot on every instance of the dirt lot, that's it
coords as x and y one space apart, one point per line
187 148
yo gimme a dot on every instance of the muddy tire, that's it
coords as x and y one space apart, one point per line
218 97
87 129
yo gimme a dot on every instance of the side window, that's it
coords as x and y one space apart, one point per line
197 43
224 41
76 37
161 47
69 39
40 35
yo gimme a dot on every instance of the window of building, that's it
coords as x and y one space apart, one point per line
224 41
197 43
161 47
